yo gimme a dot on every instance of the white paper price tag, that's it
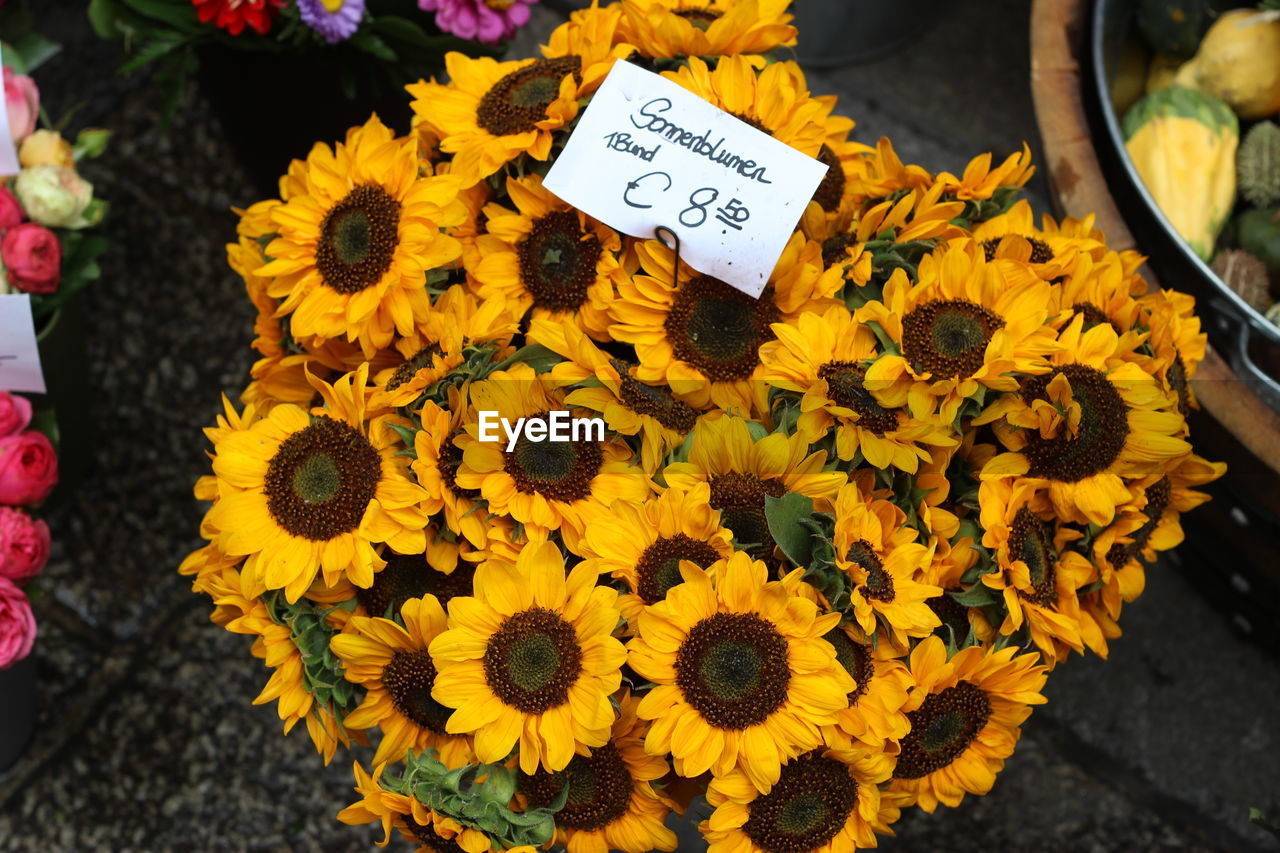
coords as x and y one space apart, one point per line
8 151
647 153
19 355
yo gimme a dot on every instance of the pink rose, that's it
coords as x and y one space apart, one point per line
15 414
33 257
22 100
10 210
24 545
28 468
17 624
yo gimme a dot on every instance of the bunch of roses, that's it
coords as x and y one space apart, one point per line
28 471
47 200
831 540
485 21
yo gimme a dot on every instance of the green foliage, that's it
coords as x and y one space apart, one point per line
477 796
321 668
805 539
80 252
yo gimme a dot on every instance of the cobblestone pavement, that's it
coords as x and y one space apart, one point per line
147 739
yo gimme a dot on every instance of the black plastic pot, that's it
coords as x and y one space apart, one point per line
17 709
273 107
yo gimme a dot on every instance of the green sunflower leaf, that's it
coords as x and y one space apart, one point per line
784 516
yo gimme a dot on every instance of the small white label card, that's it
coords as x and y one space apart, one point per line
19 355
8 151
648 154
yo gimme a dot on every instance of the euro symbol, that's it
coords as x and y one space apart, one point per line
631 185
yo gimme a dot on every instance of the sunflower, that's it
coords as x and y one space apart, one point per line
880 173
980 181
548 256
741 472
436 462
301 494
531 660
824 357
965 324
1178 342
774 100
392 664
444 571
492 112
876 549
1013 235
1086 426
700 336
544 485
667 29
606 384
612 804
1037 575
437 346
966 715
354 246
274 645
825 801
1101 292
643 544
743 676
431 832
874 721
207 566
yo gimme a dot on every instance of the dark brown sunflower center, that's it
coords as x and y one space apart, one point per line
517 102
449 462
952 614
740 499
1093 315
879 583
855 658
942 729
836 248
719 329
1041 253
430 839
846 386
732 668
421 360
659 566
409 677
533 660
831 191
409 576
599 784
1103 428
1158 495
358 239
948 337
657 403
557 470
558 261
806 808
1031 541
700 17
1176 376
321 479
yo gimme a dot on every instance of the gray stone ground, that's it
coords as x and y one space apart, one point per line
147 738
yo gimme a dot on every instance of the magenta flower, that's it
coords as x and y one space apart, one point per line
488 21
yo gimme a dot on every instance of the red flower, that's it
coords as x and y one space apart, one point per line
232 15
33 257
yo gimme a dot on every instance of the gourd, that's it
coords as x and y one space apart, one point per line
1258 233
1163 70
1258 165
1183 144
1239 62
1172 26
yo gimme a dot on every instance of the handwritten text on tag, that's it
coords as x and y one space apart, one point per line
647 153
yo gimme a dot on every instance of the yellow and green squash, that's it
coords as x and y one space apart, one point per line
1183 144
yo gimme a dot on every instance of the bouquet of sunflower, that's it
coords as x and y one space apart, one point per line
817 563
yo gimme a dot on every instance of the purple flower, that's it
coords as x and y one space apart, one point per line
488 21
334 20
